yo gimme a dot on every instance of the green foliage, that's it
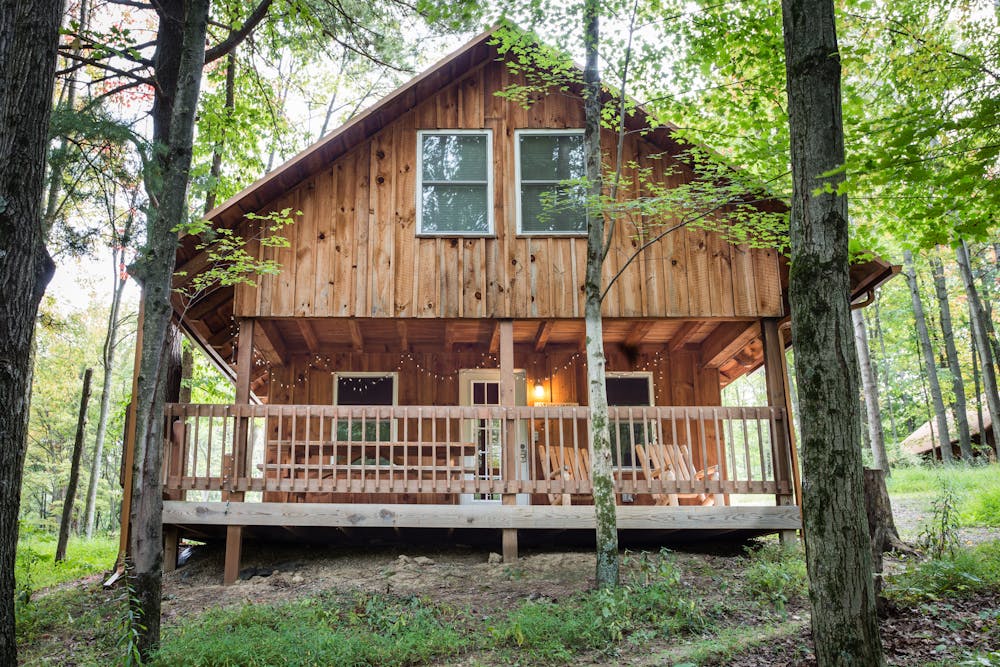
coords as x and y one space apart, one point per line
776 574
229 263
961 572
364 630
983 509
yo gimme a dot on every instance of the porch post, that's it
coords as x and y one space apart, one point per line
508 400
238 465
781 443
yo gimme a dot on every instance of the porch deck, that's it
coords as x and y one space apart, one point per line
473 468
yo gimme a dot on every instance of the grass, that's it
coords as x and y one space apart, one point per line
326 630
976 487
35 567
961 573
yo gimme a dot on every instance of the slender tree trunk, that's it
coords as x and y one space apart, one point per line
957 384
885 374
107 364
976 386
930 365
215 172
838 548
870 385
604 494
74 470
977 323
174 110
29 33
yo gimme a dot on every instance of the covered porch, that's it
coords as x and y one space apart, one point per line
480 424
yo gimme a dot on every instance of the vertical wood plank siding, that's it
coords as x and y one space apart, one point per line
354 250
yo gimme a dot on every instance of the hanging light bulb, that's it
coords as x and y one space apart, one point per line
539 391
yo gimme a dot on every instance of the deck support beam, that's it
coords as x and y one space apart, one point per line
508 399
234 545
170 539
777 396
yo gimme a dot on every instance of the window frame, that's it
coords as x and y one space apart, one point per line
490 222
370 374
628 455
517 179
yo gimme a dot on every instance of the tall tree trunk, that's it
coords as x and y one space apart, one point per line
957 384
69 498
978 326
29 33
870 386
838 548
976 387
930 364
179 59
107 364
604 494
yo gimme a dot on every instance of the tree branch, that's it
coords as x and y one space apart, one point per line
237 36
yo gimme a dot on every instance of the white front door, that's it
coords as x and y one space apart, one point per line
482 387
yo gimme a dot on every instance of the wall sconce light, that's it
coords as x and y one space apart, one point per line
539 392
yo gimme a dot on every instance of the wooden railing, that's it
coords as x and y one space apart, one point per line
668 452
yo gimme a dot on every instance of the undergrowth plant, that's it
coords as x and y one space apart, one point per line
776 574
939 535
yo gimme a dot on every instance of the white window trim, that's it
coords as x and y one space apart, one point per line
635 374
517 178
491 229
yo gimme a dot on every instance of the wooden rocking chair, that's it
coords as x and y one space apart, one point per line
565 463
672 462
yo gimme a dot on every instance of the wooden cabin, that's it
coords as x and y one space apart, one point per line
419 360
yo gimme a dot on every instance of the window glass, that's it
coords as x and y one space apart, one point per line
548 204
454 193
628 390
365 390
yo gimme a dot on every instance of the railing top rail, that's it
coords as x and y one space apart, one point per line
697 412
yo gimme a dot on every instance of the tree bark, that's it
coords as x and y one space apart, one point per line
978 325
876 437
838 549
930 364
69 498
29 33
180 61
885 374
601 477
957 384
107 364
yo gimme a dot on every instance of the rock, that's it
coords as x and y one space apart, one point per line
297 578
403 559
423 560
495 558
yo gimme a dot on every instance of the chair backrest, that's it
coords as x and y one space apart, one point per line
565 462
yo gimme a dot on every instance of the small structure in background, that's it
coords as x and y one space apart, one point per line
923 441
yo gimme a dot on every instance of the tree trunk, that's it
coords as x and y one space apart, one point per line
957 384
838 549
601 477
29 33
107 363
870 385
885 375
215 172
978 325
930 365
881 525
976 387
179 61
69 498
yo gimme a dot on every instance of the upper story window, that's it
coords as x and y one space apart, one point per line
546 204
455 182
